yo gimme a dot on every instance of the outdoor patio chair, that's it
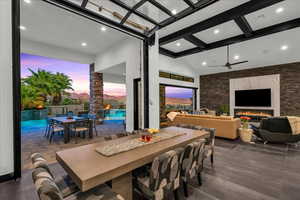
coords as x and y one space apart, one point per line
63 181
47 189
163 178
80 128
53 129
192 163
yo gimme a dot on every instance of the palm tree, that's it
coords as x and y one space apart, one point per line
61 83
47 84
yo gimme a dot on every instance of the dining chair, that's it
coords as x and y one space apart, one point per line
163 178
47 189
192 163
63 181
80 127
53 129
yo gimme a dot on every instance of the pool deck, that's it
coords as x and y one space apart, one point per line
33 140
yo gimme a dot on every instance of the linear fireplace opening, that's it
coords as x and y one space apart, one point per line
256 115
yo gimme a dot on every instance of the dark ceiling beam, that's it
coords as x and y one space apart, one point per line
186 12
199 43
84 3
136 6
241 38
189 3
126 7
226 16
161 7
167 52
244 25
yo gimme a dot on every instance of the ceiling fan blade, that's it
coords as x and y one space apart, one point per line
237 63
217 66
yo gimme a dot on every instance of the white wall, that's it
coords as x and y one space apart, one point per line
42 49
6 95
128 52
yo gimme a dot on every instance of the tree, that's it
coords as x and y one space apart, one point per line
47 86
61 83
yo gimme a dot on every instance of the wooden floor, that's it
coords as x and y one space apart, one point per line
241 172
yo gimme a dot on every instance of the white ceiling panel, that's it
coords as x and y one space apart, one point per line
153 12
49 24
177 6
264 51
179 45
225 30
201 15
290 9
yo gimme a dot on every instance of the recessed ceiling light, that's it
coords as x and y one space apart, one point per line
236 57
216 31
284 47
103 28
27 1
204 63
174 11
279 10
178 44
83 44
23 28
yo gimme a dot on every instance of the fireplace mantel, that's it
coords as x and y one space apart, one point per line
257 82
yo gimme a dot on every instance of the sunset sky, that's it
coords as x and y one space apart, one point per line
79 73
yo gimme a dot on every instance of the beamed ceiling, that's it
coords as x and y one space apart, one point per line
183 21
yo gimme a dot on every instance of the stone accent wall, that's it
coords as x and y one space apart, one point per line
162 102
96 91
214 88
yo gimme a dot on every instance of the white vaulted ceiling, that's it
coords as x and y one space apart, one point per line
51 25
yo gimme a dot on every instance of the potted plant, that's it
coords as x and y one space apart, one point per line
245 132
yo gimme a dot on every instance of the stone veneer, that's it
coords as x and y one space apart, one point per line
96 91
214 88
162 102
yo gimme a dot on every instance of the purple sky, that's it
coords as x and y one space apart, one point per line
79 73
176 92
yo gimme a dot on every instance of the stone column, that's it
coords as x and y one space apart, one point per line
96 92
162 102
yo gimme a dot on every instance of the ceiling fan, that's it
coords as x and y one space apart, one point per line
228 64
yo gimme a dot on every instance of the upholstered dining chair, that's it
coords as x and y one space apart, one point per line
192 163
63 181
80 127
47 189
163 178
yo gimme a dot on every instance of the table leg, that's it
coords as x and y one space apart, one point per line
66 133
123 186
91 134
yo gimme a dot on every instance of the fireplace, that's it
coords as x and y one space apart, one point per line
256 115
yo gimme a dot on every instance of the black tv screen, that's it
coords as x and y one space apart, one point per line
253 98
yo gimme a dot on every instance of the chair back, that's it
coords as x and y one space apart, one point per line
45 185
38 161
82 123
192 162
165 171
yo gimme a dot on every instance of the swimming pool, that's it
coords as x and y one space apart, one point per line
113 116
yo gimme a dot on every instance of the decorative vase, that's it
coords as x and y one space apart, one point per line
246 134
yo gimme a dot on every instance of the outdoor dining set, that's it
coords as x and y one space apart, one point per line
70 125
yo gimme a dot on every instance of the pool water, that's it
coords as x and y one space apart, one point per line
115 114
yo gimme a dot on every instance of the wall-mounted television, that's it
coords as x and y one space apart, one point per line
253 98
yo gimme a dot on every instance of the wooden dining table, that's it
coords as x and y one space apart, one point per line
67 123
89 168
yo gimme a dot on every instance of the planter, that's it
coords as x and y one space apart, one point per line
246 134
